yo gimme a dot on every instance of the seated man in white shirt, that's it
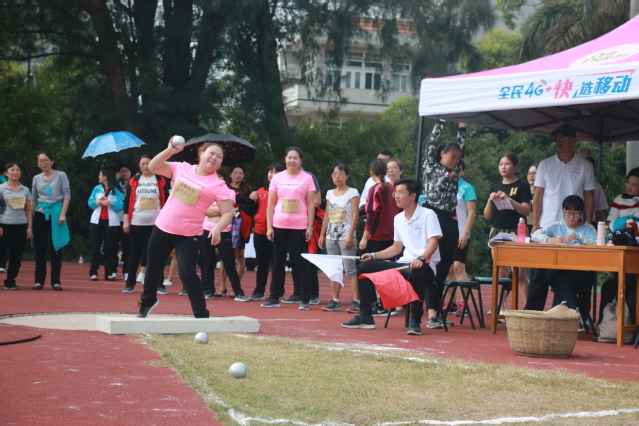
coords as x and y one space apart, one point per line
417 234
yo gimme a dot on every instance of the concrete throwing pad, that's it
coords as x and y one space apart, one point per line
175 325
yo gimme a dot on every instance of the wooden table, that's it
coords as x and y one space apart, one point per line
620 259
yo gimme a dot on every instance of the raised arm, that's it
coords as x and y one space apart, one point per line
158 164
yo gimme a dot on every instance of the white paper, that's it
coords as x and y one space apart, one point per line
504 236
503 204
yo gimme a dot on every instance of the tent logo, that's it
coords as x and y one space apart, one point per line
607 56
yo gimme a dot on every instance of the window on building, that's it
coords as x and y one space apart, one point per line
401 71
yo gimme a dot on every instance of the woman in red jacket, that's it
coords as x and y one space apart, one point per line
146 194
263 247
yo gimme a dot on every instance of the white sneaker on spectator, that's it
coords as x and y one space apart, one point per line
140 278
167 283
125 276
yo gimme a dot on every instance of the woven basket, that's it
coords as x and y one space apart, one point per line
531 333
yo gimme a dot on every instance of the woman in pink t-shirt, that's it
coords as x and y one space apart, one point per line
289 219
179 224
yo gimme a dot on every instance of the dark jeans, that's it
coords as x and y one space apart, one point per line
264 254
186 252
293 242
103 233
567 285
14 238
537 290
42 241
139 237
313 280
373 246
609 291
420 279
227 255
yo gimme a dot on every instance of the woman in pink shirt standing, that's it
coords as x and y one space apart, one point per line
289 219
179 224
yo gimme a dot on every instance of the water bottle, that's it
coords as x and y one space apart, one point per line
521 230
601 233
81 261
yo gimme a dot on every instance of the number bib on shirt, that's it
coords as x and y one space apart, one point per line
290 206
17 203
148 203
337 216
214 218
187 194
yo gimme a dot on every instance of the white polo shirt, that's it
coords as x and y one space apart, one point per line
414 234
560 180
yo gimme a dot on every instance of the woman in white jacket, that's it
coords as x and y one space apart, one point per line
106 200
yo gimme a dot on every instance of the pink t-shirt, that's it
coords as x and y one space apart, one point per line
192 194
291 191
209 224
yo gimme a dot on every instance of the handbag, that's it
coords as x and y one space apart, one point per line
236 232
624 237
607 329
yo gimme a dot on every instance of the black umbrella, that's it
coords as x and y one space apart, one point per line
236 150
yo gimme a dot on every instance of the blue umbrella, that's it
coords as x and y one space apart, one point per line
112 142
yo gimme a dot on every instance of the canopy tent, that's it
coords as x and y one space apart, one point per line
591 86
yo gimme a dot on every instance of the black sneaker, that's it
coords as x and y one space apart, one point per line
434 322
314 301
128 289
413 328
304 306
146 310
360 321
162 290
208 295
11 287
257 296
181 293
354 308
379 312
271 303
293 299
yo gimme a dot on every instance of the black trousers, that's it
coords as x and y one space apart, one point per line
264 254
293 242
537 290
124 241
567 285
42 241
227 255
447 245
139 243
14 238
186 252
103 233
420 279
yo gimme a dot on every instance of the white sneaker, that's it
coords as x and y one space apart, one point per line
3 270
125 276
140 278
114 276
167 283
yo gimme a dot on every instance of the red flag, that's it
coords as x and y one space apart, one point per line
393 289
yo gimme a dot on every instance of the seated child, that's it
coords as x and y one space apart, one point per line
572 230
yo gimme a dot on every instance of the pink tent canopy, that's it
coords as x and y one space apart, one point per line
592 86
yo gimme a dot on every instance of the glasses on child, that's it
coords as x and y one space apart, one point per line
392 168
338 174
572 213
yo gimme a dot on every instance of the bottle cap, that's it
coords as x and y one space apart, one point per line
601 223
522 220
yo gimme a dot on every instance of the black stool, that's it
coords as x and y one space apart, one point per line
466 288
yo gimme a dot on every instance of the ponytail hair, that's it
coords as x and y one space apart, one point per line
378 168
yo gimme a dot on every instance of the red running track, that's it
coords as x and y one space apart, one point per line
72 377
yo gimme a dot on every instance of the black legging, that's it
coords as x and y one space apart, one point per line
227 255
447 244
186 252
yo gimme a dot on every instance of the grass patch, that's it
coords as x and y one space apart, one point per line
321 383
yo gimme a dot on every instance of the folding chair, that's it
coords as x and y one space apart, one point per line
466 288
506 287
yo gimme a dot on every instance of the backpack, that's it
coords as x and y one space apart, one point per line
607 329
